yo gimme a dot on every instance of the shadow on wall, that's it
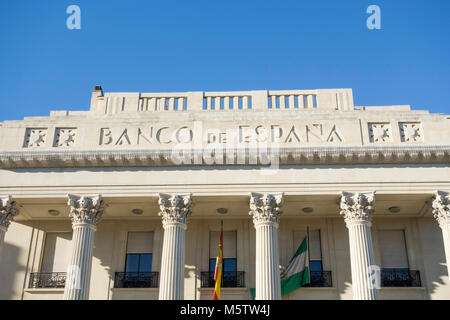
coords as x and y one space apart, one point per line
10 279
439 281
434 274
103 251
347 289
438 278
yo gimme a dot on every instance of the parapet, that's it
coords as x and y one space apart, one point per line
135 102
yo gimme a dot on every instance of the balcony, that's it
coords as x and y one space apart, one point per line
320 279
230 279
400 278
136 280
47 280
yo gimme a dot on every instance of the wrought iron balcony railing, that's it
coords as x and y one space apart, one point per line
320 279
230 279
136 280
47 280
391 277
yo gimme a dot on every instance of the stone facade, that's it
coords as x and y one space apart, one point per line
176 164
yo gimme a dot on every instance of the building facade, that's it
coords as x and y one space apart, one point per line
126 200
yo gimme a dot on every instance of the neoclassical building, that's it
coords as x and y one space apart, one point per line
126 200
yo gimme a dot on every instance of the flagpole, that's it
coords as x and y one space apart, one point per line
221 256
218 272
308 247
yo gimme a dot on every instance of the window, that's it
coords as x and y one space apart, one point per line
393 249
231 276
395 270
318 277
54 261
138 263
229 264
315 250
139 252
229 250
56 252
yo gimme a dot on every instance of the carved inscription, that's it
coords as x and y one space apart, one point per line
240 134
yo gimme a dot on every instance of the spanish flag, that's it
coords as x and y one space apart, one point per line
219 267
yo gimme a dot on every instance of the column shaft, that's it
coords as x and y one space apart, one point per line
266 211
79 271
8 210
446 235
357 209
268 286
85 213
361 255
441 212
2 239
172 264
175 210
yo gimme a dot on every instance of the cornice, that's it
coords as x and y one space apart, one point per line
437 154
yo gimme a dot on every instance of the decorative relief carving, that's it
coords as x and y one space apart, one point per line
35 137
65 137
441 208
8 210
380 132
266 207
357 207
86 209
410 131
175 209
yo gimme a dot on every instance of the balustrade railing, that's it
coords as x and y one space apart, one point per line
391 277
162 104
231 279
320 279
112 103
47 280
136 280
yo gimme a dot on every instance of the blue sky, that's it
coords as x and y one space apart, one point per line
163 46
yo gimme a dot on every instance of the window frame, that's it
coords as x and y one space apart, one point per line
139 262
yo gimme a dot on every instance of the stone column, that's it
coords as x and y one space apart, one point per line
441 211
266 211
357 209
8 210
85 213
174 212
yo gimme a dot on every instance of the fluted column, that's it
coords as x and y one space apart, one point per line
175 210
266 211
357 209
441 211
8 210
85 213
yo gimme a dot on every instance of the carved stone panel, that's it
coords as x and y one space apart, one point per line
380 132
35 137
65 137
410 131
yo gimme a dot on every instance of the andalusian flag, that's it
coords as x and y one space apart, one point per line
219 267
297 271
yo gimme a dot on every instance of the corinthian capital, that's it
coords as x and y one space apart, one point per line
86 209
357 207
441 207
175 209
8 210
266 208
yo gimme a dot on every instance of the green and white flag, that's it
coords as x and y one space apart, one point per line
296 273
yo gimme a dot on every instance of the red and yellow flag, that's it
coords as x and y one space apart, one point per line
219 267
